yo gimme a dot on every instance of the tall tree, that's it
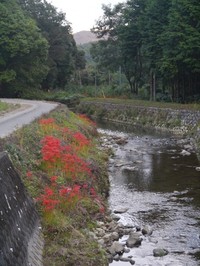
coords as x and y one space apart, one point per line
56 29
122 46
152 24
23 50
181 49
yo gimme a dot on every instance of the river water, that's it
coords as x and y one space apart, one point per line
160 186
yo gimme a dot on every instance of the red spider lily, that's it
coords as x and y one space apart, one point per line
46 121
29 174
80 140
74 165
48 191
53 179
64 191
52 149
48 199
93 192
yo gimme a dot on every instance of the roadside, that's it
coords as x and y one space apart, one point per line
64 171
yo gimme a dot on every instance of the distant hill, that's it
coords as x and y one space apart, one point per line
83 37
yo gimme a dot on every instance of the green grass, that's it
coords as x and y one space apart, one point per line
177 106
7 107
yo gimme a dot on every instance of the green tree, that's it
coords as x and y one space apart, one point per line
181 49
122 46
63 54
23 50
152 24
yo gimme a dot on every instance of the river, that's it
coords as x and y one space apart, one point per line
156 177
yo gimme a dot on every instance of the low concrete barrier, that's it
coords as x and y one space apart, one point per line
21 241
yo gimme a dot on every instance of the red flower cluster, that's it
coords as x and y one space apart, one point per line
49 199
51 149
74 166
56 197
80 140
60 155
46 121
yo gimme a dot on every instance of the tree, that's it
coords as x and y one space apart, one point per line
23 50
181 49
122 46
152 24
63 53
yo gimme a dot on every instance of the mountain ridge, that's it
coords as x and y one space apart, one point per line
84 36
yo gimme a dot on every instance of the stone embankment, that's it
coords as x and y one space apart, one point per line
182 122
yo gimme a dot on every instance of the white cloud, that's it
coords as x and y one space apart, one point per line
82 13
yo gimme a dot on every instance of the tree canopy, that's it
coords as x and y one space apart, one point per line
157 44
23 49
37 49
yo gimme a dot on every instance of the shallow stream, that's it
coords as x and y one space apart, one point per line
160 185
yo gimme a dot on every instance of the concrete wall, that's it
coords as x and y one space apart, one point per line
21 240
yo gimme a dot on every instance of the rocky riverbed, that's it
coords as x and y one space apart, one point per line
138 229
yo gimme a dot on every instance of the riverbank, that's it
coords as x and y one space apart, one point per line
174 119
59 161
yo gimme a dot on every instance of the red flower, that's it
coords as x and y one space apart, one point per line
46 121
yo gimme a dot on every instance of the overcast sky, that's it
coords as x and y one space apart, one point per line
82 13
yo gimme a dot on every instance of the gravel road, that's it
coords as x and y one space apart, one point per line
28 112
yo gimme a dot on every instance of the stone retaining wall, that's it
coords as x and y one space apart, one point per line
21 241
182 122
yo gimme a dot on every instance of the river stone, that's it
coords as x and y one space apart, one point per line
115 217
116 248
121 210
116 257
188 147
132 262
101 242
107 238
128 168
160 252
185 153
100 232
100 224
115 236
113 226
146 230
121 141
134 240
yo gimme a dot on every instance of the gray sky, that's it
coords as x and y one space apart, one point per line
82 13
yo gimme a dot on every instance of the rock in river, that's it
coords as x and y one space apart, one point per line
134 239
121 210
160 252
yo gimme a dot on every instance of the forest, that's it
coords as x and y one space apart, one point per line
154 45
37 49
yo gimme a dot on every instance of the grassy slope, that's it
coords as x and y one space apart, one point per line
65 227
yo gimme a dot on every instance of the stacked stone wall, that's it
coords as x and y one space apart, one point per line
181 122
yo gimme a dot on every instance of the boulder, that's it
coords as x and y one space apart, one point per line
146 230
121 210
160 252
116 248
134 240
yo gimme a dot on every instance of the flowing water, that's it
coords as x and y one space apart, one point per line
161 188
